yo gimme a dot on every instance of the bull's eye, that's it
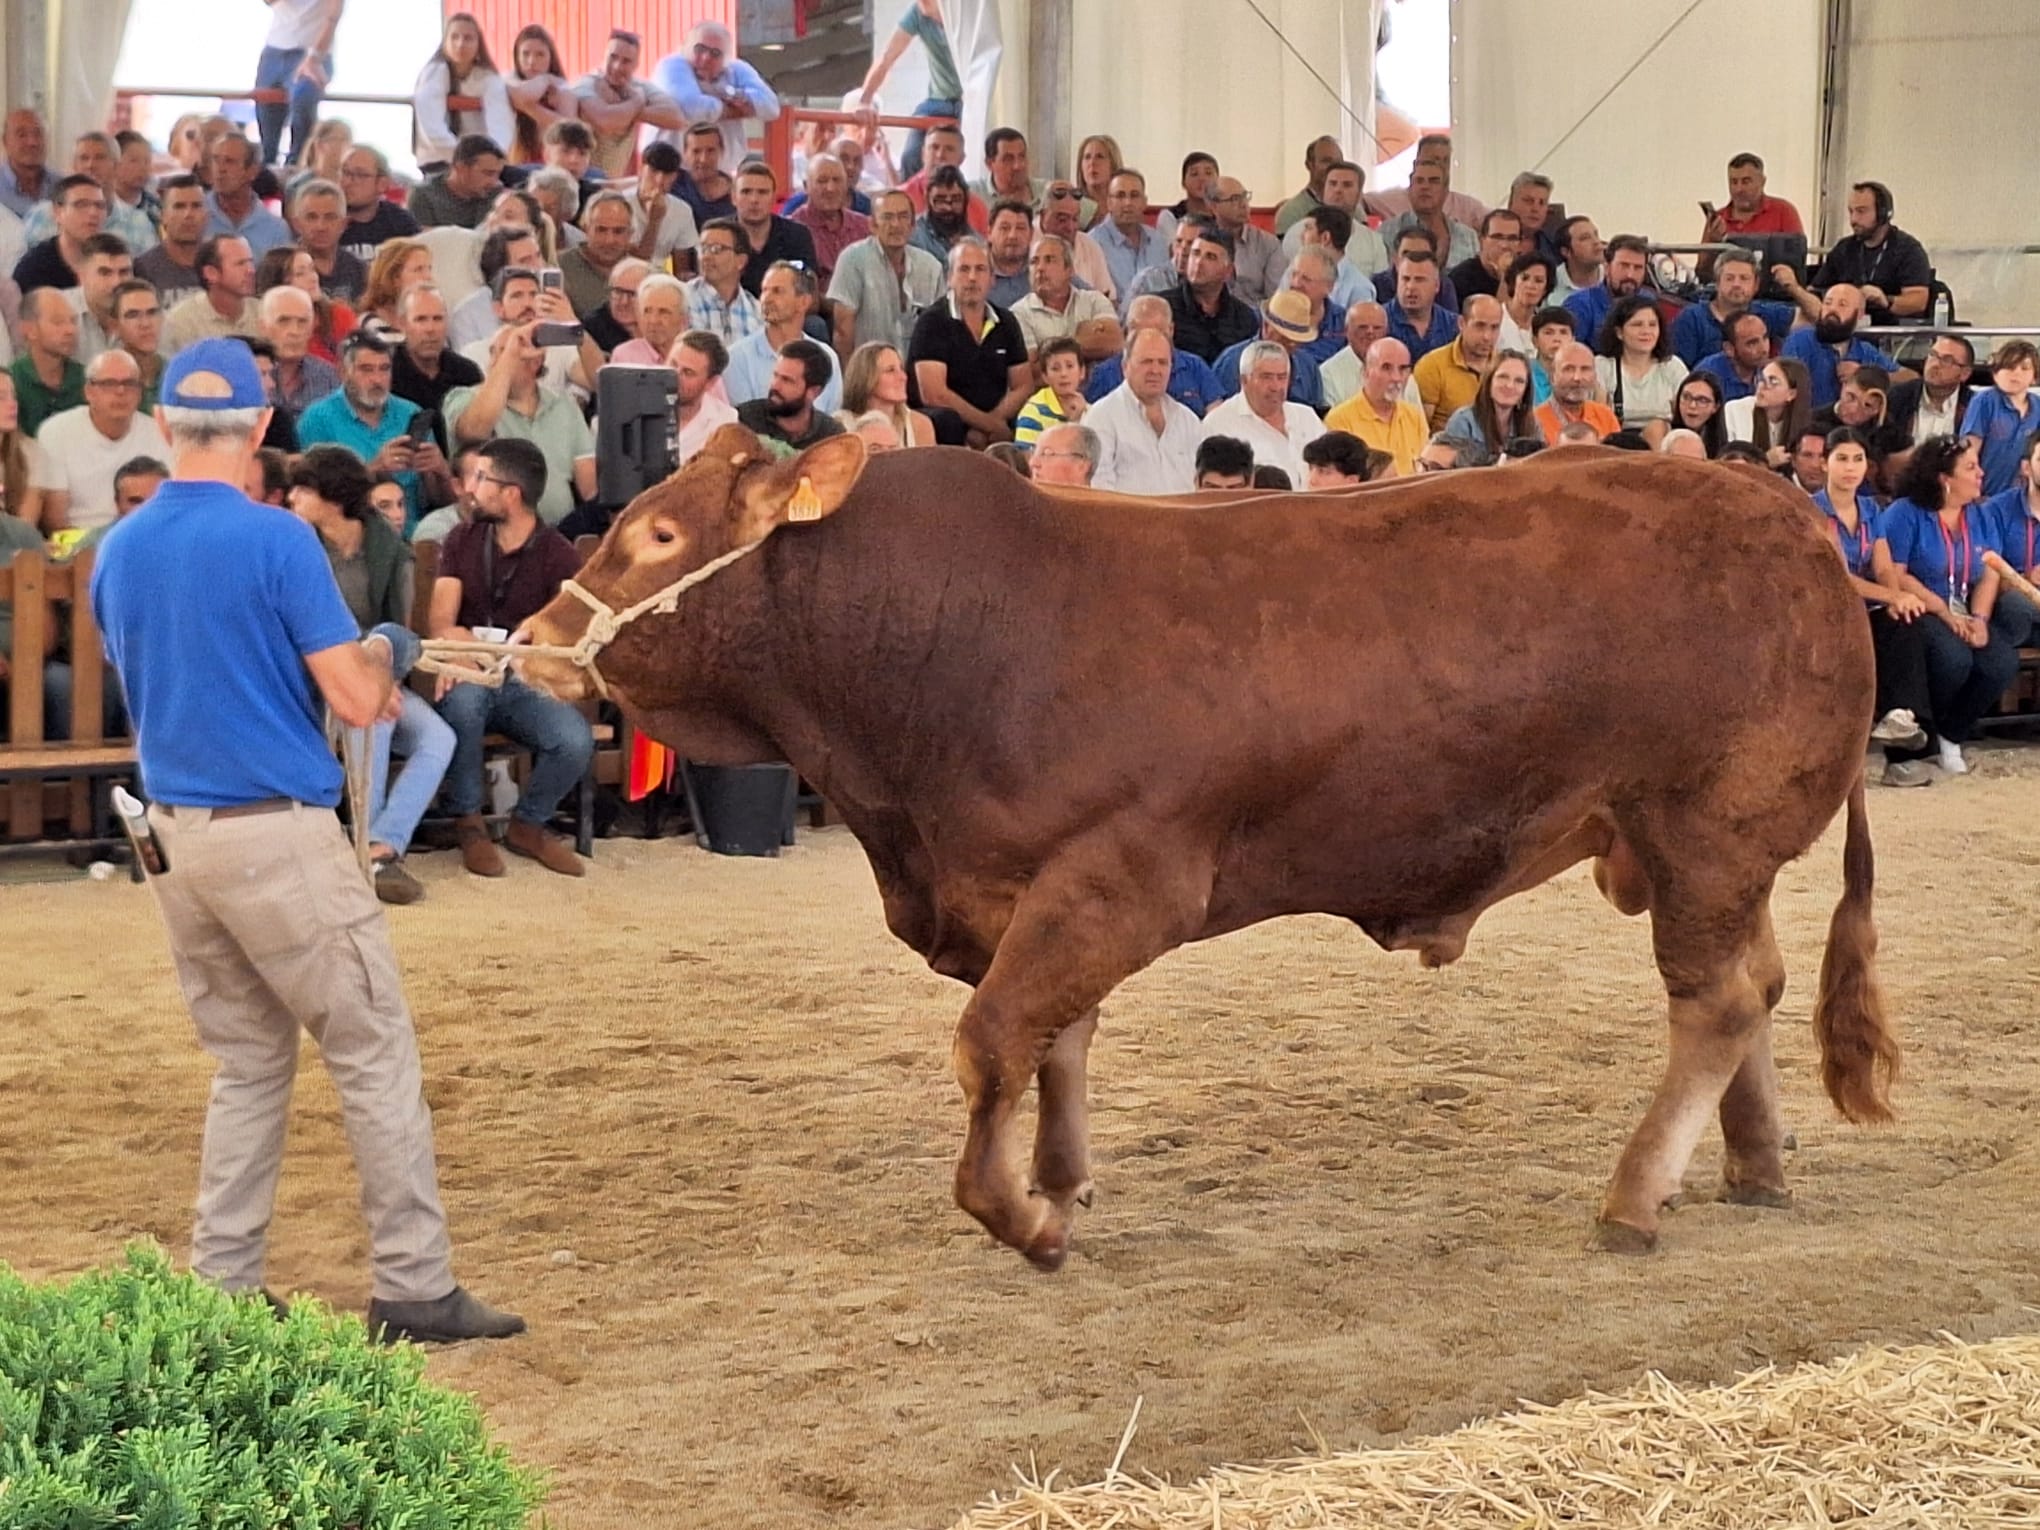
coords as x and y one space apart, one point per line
661 535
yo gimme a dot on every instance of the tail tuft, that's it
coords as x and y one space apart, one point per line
1859 1055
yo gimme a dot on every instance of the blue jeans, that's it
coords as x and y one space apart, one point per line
277 70
426 743
1965 682
934 106
558 737
57 687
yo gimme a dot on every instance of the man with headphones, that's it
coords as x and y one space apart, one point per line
1885 261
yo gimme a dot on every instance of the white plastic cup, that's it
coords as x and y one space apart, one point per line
491 634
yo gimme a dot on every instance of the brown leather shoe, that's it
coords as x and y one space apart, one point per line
549 850
478 852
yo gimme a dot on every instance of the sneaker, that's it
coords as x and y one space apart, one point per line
453 1317
478 852
549 850
1898 727
395 884
1907 773
1951 758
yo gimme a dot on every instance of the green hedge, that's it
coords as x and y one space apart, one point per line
142 1399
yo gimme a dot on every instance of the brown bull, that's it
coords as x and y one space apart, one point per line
1073 731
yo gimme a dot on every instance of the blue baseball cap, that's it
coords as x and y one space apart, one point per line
213 374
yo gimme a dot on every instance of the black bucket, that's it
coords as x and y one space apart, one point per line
740 809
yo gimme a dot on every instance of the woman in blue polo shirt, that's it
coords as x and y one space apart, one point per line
1931 543
1904 704
2001 418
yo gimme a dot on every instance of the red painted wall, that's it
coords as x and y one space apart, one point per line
582 27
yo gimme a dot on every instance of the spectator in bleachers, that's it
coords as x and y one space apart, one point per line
1482 273
767 236
883 284
946 217
171 265
1700 329
785 302
1199 175
134 481
1318 158
1098 160
372 218
1932 540
1499 412
1066 455
1697 410
875 383
2001 417
1448 376
1147 442
474 318
1207 316
268 476
1572 402
1007 244
386 502
1626 264
661 319
1904 699
281 434
461 195
1830 350
1060 368
25 179
1335 460
827 215
1379 414
329 491
1192 383
509 404
495 573
1865 406
47 376
425 368
698 359
318 218
1581 258
1778 408
1340 375
1745 348
1884 263
79 214
1749 209
1414 315
540 94
367 419
1286 322
1007 178
1225 462
83 446
944 150
96 155
709 83
589 269
1130 246
1408 242
969 358
704 185
461 66
1160 281
616 105
1806 468
1061 214
1430 180
138 326
1313 275
24 475
1679 442
1524 287
1332 233
1263 412
232 205
302 379
2015 516
1530 201
321 160
790 410
1635 367
106 264
1258 261
1936 402
662 227
1550 330
134 172
717 300
1344 182
1054 306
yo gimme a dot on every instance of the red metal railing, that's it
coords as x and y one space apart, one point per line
779 133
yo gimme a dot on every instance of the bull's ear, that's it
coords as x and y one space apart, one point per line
803 488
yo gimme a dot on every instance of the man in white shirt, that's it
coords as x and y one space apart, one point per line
85 447
1260 414
698 360
1055 306
106 265
661 225
615 104
1147 442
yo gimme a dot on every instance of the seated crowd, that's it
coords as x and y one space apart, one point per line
433 351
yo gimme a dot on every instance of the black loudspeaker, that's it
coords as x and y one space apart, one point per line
634 439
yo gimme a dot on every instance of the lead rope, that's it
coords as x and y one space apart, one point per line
357 756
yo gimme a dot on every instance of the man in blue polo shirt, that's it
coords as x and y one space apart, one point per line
230 636
2001 419
375 424
1697 332
1192 382
1830 350
1745 347
1626 263
1415 317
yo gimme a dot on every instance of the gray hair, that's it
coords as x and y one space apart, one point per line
1318 255
820 160
1132 335
659 281
1259 351
603 199
276 297
1156 308
111 360
1059 242
317 186
1083 440
630 265
1528 178
968 242
563 186
1738 257
416 289
1682 436
205 429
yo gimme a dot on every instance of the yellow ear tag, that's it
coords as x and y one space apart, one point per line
806 504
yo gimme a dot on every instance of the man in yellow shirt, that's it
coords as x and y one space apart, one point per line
1449 377
1378 414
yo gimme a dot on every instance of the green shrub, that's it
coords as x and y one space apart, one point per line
142 1399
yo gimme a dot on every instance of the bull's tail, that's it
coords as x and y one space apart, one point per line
1858 1053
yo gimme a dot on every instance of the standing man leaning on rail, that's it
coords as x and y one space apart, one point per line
227 629
297 58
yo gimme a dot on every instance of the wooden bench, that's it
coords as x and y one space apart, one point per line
44 780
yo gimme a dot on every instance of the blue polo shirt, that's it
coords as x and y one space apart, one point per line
1696 333
1589 307
1723 371
2014 526
2003 431
1921 544
263 230
1823 366
1443 329
1192 383
1858 546
333 422
209 604
1303 374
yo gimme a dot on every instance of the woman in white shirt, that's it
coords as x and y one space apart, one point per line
1526 286
1638 373
461 67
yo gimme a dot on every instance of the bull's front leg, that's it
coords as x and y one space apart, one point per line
1062 1129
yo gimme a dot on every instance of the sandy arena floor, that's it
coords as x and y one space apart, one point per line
696 1122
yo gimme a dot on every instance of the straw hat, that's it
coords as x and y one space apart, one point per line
1288 315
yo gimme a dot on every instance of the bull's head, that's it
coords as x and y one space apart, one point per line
731 496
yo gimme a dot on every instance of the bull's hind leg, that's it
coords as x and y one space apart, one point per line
1062 1126
1717 1013
1752 1131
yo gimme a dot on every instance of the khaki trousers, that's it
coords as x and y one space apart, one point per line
273 928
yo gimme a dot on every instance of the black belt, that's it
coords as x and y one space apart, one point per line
238 810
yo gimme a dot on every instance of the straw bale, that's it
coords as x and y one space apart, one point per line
1946 1434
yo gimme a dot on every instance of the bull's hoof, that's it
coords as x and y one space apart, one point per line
1620 1238
1077 1195
1756 1195
1049 1247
